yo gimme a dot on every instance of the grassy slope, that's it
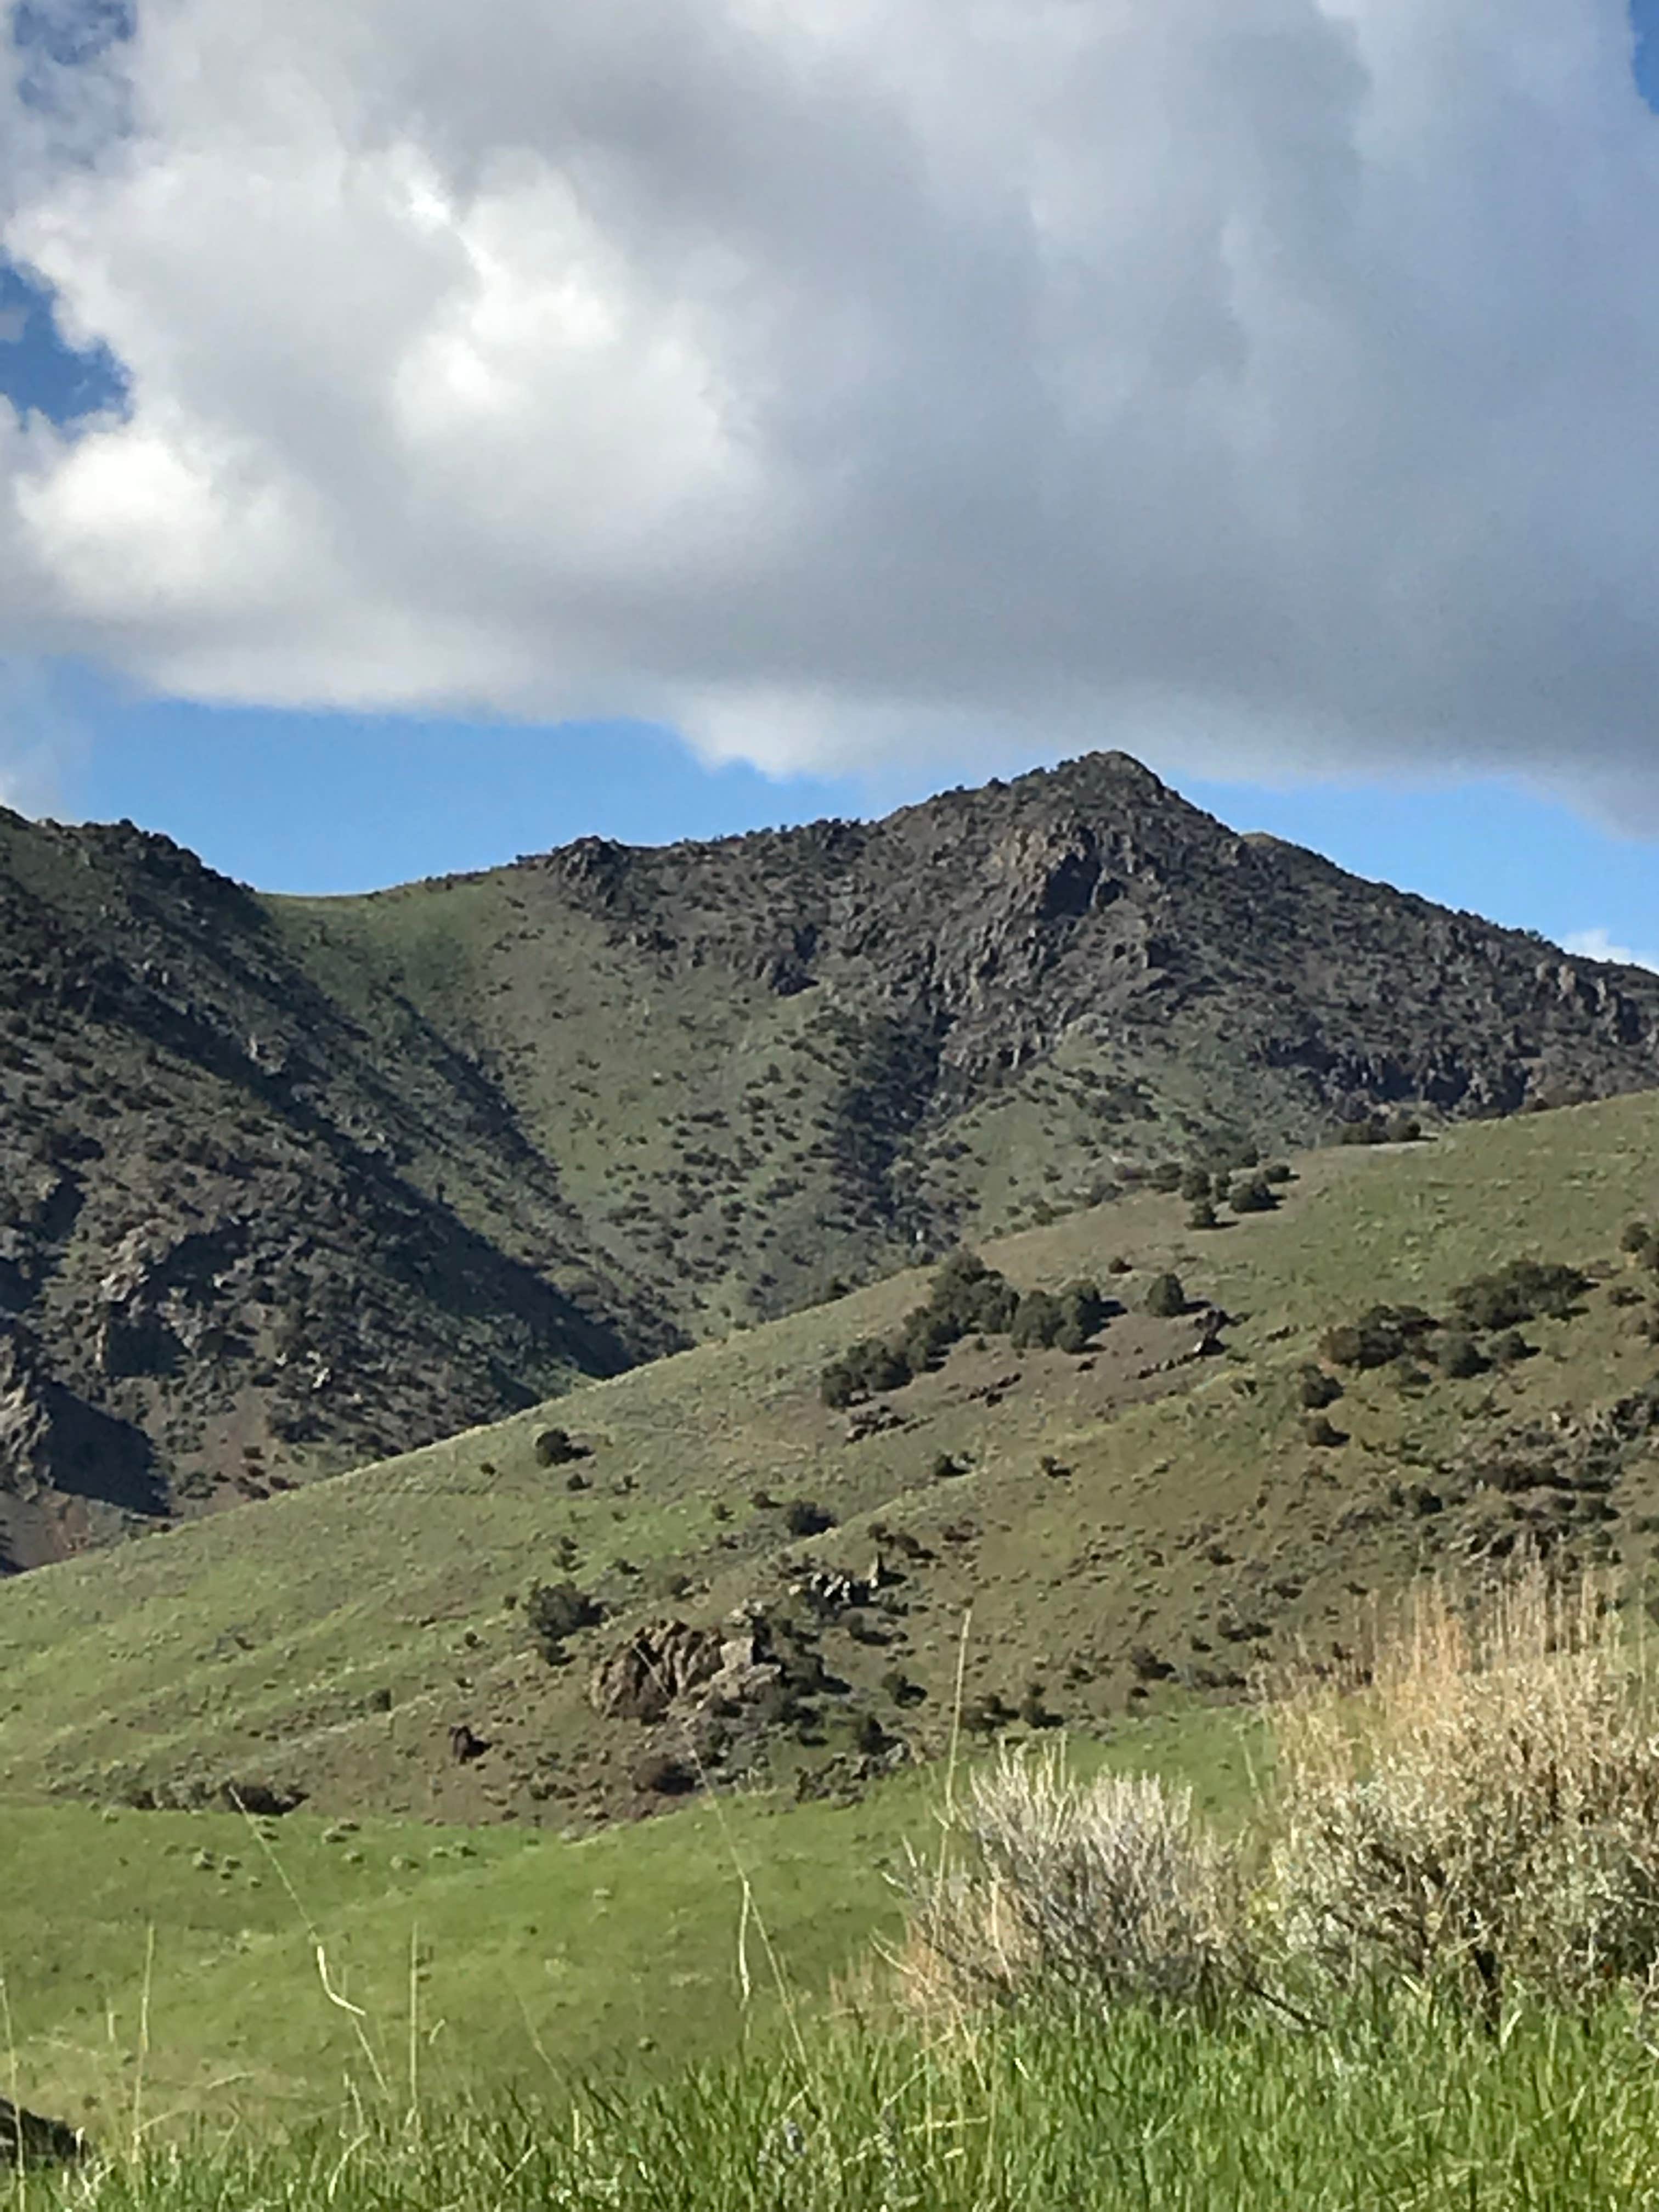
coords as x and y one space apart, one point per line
253 1641
540 1958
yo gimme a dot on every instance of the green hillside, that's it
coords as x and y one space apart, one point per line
1183 1518
329 1640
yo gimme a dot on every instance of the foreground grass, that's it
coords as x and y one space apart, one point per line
186 1977
1393 2106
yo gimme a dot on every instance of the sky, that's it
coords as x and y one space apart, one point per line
426 437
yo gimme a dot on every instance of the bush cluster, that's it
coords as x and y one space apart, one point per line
1398 1128
1381 1333
1480 1825
1522 1291
967 1299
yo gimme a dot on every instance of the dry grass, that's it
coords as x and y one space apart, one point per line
1473 1810
1481 1808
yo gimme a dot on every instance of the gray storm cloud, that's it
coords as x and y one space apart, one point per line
1263 386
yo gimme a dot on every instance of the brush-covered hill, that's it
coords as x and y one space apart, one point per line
286 1185
752 1587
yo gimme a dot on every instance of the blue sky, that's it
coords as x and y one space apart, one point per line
350 798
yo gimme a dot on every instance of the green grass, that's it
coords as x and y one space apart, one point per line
266 1638
538 1957
1388 2111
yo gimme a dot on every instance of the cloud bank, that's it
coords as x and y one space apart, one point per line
1265 386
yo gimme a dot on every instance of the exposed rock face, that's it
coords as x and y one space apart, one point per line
667 1664
285 1186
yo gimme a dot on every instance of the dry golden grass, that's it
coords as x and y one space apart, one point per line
1480 1804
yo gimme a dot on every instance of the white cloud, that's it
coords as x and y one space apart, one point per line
1263 384
1596 944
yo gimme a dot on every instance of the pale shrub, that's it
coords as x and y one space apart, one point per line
1108 1892
1485 1813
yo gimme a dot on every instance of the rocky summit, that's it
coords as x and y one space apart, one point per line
287 1185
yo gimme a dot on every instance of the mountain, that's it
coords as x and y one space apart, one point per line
287 1185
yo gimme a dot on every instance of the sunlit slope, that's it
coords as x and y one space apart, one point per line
1101 1515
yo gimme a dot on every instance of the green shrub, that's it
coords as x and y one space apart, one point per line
1523 1291
1252 1195
1380 1335
554 1611
1318 1390
1457 1354
1165 1296
1279 1172
556 1448
1038 1320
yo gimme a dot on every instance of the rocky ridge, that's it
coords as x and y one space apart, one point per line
286 1185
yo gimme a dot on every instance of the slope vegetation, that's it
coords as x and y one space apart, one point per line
288 1185
1124 1528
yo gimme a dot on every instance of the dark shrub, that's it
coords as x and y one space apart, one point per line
553 1611
803 1516
1367 1130
1638 1239
1167 1176
1279 1172
1380 1335
1038 1320
984 1716
1195 1183
555 1448
1402 1129
927 1337
970 1299
1319 1428
661 1775
1318 1389
1522 1291
1511 1346
1254 1195
1202 1216
1148 1666
945 1467
1082 1313
1165 1297
1117 1265
1457 1354
838 1387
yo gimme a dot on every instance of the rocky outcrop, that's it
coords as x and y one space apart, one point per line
279 1195
667 1666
